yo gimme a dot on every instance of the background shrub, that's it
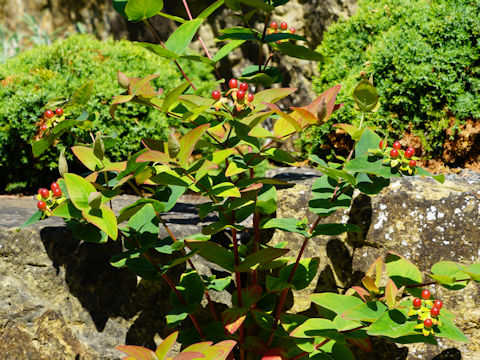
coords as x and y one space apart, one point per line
425 60
30 79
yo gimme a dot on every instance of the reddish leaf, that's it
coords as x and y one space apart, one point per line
330 96
138 352
274 354
233 319
155 156
188 142
164 348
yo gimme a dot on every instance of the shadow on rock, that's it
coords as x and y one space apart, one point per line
104 291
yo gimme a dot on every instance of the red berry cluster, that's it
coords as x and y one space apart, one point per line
405 159
427 312
49 199
240 95
49 119
274 29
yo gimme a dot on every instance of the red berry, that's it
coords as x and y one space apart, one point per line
283 26
428 323
412 163
42 205
394 153
240 94
411 149
426 294
59 111
44 193
435 311
243 86
397 145
250 97
57 192
233 83
380 145
54 186
49 114
438 304
292 30
409 154
273 25
43 127
216 95
417 303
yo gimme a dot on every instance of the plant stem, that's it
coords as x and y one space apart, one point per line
260 51
171 285
183 252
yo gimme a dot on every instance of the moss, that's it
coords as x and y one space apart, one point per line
425 60
30 79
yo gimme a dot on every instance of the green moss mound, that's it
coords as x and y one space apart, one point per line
30 79
425 60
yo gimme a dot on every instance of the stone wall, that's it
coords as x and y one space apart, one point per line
61 296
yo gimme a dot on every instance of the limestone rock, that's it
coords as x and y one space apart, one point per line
421 219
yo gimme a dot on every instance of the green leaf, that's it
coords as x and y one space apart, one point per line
119 6
299 52
279 155
282 36
188 142
371 165
214 253
104 218
322 194
159 50
209 10
365 96
337 174
449 330
78 190
270 96
142 9
474 271
225 189
258 4
82 95
260 257
267 200
88 232
87 157
182 36
227 49
337 303
212 283
67 210
173 95
39 147
304 275
403 272
37 216
172 17
316 327
422 172
447 272
369 312
191 289
368 140
237 33
394 324
286 224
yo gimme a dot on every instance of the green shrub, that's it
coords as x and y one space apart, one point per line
30 79
425 60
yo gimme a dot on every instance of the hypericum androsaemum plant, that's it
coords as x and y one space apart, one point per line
389 303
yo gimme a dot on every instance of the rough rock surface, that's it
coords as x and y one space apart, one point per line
419 218
59 296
